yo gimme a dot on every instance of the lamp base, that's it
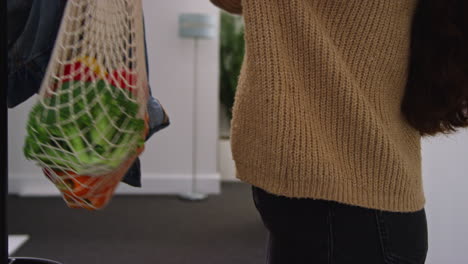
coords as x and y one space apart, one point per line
192 196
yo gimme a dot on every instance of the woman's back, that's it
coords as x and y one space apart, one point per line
317 111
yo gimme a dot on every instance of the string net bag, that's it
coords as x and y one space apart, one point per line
90 121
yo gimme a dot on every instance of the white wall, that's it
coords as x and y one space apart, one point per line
167 161
445 169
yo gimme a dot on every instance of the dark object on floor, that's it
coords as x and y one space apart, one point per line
224 229
31 261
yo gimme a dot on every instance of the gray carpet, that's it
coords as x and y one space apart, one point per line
143 229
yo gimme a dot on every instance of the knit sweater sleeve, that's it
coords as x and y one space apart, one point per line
231 6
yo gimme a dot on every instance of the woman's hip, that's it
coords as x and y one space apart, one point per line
341 232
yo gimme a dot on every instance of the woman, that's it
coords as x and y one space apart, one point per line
333 99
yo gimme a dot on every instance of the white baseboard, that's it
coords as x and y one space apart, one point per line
227 166
38 185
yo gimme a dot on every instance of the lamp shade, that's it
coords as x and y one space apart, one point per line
193 25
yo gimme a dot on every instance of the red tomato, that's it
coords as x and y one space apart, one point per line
122 79
78 72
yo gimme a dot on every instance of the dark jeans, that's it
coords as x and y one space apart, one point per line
313 231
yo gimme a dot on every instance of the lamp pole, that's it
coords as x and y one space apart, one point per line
194 195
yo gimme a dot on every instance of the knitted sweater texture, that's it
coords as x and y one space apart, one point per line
317 109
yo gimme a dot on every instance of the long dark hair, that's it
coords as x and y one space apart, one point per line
436 96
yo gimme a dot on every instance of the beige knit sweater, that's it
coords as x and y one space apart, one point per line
317 110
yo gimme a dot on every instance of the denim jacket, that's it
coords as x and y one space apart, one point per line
32 29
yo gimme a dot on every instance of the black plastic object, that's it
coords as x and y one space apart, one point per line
31 261
4 151
3 136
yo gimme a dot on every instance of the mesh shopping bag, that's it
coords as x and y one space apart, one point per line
90 121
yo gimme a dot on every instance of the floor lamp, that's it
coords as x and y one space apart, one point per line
196 26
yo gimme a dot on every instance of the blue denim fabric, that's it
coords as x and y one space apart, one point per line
32 29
